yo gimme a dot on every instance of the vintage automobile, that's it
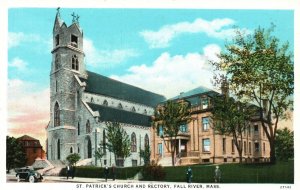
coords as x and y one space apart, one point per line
28 174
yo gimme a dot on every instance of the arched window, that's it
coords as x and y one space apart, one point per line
78 98
56 62
78 128
88 127
71 150
146 141
120 106
133 142
92 100
105 103
75 64
133 109
104 142
145 111
56 86
56 115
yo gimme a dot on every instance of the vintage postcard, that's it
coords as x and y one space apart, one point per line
161 95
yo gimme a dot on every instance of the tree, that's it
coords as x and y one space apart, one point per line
118 141
168 118
260 70
73 158
284 145
231 117
15 154
145 154
99 153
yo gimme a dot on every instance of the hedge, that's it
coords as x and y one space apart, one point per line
98 172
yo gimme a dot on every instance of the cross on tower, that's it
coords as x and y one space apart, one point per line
74 17
77 18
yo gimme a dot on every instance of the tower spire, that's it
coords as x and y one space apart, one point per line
58 20
58 11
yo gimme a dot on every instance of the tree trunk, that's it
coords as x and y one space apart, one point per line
272 152
173 149
240 156
173 159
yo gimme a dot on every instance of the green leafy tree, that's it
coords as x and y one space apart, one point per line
231 117
73 159
99 153
118 141
260 70
145 154
284 144
169 117
15 154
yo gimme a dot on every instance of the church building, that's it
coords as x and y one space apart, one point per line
82 101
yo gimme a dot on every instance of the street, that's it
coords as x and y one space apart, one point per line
10 178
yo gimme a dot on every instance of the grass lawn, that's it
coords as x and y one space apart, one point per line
281 172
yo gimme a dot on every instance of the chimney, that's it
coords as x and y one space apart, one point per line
265 106
225 87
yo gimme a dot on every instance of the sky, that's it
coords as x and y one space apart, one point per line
161 50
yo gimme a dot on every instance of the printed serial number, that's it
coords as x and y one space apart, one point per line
285 187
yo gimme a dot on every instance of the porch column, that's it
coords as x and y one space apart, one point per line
179 146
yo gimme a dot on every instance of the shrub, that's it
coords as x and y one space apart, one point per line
153 172
98 172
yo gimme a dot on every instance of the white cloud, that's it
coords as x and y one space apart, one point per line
163 37
105 58
170 75
16 38
18 64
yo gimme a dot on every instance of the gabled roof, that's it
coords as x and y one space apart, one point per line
121 116
99 84
26 138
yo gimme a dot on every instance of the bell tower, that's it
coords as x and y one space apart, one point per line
67 64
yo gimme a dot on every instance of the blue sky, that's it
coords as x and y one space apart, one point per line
162 50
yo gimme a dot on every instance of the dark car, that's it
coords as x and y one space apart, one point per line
28 174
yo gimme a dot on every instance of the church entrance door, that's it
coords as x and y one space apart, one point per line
58 149
89 146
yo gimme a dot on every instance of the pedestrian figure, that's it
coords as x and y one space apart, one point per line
217 175
189 175
113 172
68 171
106 173
73 171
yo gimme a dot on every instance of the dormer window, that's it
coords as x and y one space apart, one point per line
204 101
57 40
133 109
120 106
105 103
74 41
75 64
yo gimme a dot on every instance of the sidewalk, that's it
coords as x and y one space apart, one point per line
63 179
87 180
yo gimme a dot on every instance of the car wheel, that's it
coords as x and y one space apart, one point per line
18 178
31 179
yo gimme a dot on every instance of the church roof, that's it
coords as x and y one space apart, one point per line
100 84
121 116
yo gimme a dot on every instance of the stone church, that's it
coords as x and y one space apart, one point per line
82 101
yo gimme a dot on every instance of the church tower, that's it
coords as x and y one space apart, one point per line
67 65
